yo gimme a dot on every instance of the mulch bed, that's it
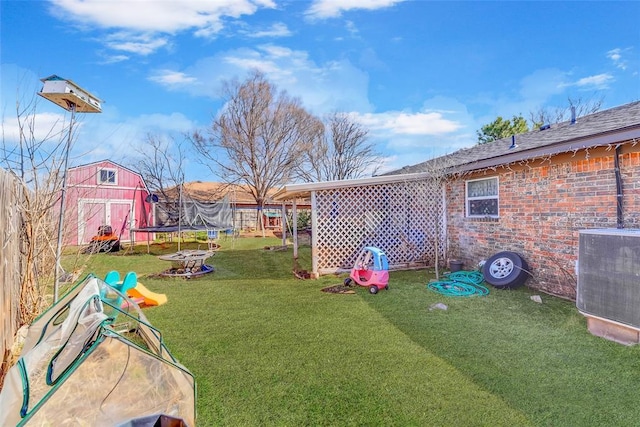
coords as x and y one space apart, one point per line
339 289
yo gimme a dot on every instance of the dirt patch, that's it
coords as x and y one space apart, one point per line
276 248
339 289
302 274
184 273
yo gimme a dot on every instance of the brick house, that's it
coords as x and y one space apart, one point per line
532 193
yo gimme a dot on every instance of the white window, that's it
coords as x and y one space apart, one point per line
107 176
482 197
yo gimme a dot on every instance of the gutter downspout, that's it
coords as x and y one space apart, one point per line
619 194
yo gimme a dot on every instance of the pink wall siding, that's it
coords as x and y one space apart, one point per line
91 203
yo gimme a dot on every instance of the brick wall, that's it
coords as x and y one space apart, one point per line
543 205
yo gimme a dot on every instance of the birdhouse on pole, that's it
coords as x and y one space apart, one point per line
67 94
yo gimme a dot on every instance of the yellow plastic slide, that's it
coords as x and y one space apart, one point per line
148 297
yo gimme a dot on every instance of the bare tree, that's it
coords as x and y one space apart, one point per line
342 153
38 161
440 172
162 163
583 107
260 136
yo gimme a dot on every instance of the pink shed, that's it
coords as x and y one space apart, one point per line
105 193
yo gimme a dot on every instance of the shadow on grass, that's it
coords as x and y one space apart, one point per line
538 357
271 349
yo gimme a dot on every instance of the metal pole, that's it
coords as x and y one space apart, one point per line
180 213
294 228
283 224
72 108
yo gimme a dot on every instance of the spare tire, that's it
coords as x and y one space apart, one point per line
505 270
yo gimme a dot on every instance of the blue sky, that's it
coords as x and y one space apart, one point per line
421 76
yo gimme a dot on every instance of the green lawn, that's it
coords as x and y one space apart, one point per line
269 349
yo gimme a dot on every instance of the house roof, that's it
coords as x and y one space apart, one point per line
212 191
598 129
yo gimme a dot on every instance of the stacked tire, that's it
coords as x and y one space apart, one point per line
505 270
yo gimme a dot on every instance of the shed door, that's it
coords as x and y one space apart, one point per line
120 215
93 215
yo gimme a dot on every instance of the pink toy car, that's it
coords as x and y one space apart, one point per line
371 269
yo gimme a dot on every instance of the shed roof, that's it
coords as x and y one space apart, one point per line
115 165
97 162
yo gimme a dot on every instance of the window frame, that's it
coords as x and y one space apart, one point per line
107 182
468 199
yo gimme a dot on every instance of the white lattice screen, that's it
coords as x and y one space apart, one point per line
403 219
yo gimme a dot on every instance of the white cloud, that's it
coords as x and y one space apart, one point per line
442 126
598 81
275 51
247 63
615 55
113 59
322 9
141 44
172 78
351 27
112 136
39 127
164 16
331 86
401 123
278 29
146 18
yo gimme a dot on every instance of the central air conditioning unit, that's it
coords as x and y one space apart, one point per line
608 291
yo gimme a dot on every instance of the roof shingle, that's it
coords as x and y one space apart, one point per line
601 128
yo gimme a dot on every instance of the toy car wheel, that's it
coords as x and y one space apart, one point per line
347 281
373 290
386 287
505 270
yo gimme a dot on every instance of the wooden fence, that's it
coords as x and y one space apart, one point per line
10 264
